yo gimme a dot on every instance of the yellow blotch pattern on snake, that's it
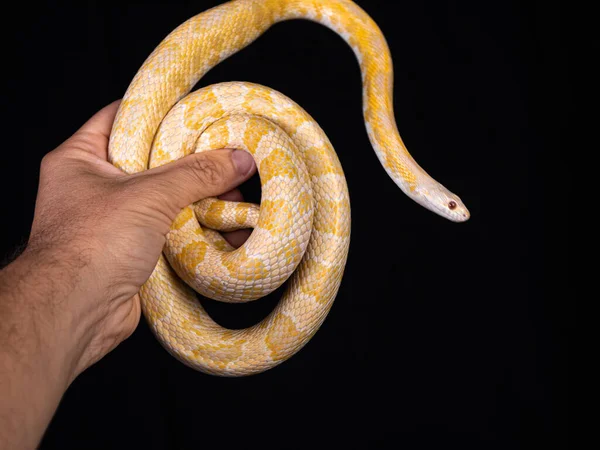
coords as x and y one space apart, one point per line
302 229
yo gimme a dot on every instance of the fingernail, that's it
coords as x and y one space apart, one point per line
242 161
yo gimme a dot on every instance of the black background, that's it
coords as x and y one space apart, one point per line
441 333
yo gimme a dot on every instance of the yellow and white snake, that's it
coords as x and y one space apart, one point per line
302 228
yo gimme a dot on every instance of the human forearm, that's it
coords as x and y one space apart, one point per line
36 362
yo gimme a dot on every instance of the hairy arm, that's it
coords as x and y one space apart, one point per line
71 297
36 366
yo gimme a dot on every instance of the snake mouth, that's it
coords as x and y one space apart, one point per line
462 217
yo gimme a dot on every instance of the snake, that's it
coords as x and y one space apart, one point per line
301 229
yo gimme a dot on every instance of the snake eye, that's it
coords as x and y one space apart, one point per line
452 204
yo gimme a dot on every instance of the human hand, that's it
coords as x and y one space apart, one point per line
107 229
97 233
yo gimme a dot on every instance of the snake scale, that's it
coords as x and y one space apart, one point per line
301 230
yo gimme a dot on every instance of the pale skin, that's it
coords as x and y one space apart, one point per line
72 295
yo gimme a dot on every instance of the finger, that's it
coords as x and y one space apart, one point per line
197 176
101 122
234 195
237 238
93 136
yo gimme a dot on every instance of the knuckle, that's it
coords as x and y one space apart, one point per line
207 171
49 159
52 167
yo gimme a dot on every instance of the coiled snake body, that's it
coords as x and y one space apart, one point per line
302 229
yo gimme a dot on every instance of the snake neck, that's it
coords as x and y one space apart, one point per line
365 38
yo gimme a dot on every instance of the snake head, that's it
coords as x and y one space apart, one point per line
441 201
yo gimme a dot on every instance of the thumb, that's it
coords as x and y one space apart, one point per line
198 176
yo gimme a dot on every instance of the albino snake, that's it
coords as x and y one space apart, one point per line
302 229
